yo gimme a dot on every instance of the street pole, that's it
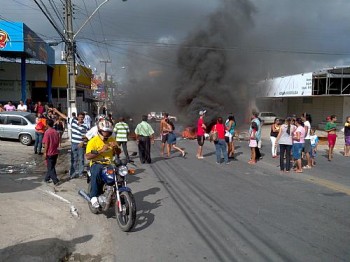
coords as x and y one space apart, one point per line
105 82
70 56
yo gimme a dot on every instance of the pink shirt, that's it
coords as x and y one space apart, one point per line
9 108
52 141
301 130
200 130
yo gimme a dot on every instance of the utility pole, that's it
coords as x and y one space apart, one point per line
70 56
105 82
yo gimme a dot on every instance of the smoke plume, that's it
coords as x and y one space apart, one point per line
210 77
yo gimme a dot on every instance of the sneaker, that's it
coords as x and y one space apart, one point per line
94 202
200 157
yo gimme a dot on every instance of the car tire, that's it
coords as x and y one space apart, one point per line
25 139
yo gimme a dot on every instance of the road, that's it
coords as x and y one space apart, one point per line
196 210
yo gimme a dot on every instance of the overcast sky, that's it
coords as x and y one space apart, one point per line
258 38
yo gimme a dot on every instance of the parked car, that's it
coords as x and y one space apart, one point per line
158 116
18 125
267 117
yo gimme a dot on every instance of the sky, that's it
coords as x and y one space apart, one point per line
181 56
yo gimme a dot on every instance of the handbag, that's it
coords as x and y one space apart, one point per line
213 135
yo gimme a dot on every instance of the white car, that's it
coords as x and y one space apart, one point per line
267 117
158 116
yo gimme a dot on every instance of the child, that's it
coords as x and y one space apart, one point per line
314 143
253 143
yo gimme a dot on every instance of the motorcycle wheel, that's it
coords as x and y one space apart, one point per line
127 217
92 209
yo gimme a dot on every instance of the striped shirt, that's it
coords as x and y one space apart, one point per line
121 129
78 131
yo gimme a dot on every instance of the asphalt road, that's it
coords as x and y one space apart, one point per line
196 210
188 210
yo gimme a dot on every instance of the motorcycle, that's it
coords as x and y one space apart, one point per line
116 194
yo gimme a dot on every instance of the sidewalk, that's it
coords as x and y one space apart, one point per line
41 222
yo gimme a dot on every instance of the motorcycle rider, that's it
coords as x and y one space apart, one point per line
100 151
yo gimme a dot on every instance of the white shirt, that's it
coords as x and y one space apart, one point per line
22 108
308 125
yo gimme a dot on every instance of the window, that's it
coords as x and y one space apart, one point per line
15 120
2 119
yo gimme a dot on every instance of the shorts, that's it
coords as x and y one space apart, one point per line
200 140
331 140
171 139
253 143
307 146
347 140
164 138
297 148
229 137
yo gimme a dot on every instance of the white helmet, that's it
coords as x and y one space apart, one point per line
105 125
105 129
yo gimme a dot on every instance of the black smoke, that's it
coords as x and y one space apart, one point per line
210 74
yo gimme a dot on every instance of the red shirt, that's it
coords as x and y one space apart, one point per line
52 141
200 129
220 128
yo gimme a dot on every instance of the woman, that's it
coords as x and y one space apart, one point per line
275 128
172 139
298 144
347 136
220 144
253 142
285 141
229 135
331 129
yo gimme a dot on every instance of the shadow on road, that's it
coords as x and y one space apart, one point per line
49 249
144 217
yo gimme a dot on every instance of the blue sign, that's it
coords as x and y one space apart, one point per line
17 37
11 36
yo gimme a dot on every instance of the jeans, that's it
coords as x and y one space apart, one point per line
38 142
274 147
220 146
285 150
77 160
145 149
125 149
96 180
51 169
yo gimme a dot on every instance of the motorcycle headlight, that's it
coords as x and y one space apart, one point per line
122 170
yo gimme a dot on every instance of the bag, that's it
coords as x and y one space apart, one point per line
213 135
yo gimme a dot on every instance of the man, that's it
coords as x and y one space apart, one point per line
100 151
164 132
122 131
201 129
21 107
87 120
77 143
9 106
144 136
256 119
51 143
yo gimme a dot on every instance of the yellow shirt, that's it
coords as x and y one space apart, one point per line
96 143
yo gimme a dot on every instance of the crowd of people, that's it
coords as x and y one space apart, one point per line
293 140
